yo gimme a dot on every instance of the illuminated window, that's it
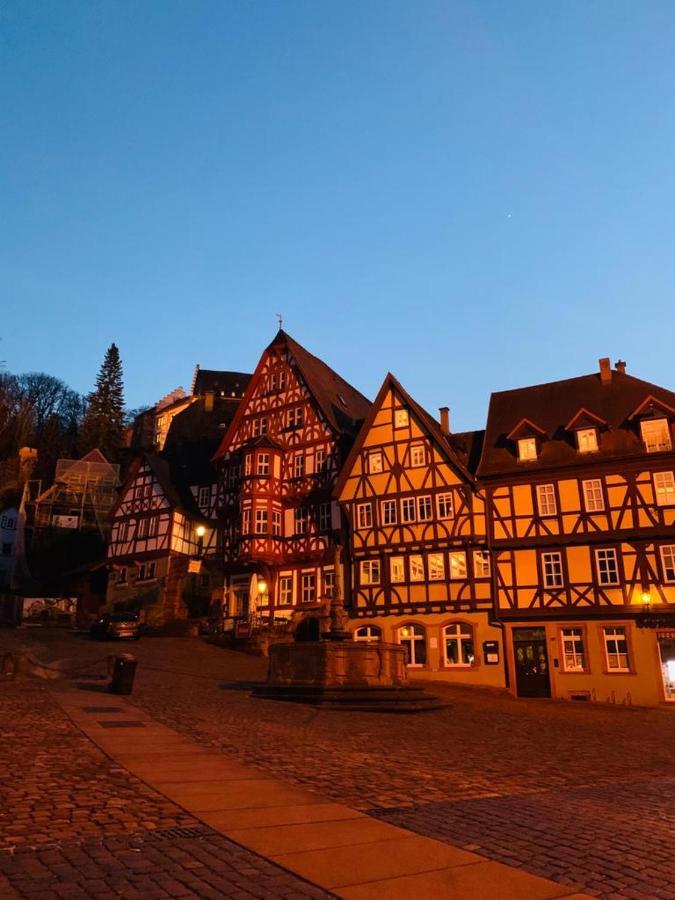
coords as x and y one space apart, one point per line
276 522
546 499
370 571
298 465
301 519
320 459
375 464
364 515
593 498
552 568
408 509
436 567
587 440
263 464
527 449
418 455
286 590
573 653
668 562
425 510
396 569
481 564
260 521
328 582
656 435
444 506
457 565
388 510
413 638
308 581
416 568
401 418
607 566
247 464
458 645
616 649
664 488
368 634
246 521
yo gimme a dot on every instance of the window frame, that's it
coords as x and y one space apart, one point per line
363 518
529 442
484 561
447 499
374 455
373 568
438 556
659 447
590 431
420 639
386 506
670 549
370 638
262 464
416 557
585 494
668 491
401 418
615 670
410 503
546 492
550 554
459 637
562 638
596 559
308 586
285 581
464 567
261 520
418 461
396 559
425 504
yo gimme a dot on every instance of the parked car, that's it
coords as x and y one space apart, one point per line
117 626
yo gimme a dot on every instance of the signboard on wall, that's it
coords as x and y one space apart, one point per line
195 566
65 521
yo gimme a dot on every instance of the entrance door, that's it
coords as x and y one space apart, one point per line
529 648
667 651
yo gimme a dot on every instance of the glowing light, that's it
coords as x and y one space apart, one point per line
646 598
262 587
201 531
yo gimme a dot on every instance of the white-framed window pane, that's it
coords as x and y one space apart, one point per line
246 521
656 435
444 506
593 498
286 590
413 638
436 566
668 562
308 587
299 465
261 521
396 569
608 567
276 522
457 565
552 569
664 488
527 449
301 519
574 657
263 464
425 510
370 571
616 649
481 564
587 440
388 509
546 499
368 634
416 568
408 513
418 456
458 645
364 515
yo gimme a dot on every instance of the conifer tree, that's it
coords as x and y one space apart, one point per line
104 420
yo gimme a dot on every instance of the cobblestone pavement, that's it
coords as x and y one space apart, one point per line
583 794
73 824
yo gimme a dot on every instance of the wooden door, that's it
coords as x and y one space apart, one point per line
531 659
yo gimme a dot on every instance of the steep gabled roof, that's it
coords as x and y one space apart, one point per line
343 406
452 450
172 481
553 406
224 384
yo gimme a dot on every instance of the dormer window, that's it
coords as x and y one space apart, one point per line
656 435
587 440
527 449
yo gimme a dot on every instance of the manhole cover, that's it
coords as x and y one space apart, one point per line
122 723
101 709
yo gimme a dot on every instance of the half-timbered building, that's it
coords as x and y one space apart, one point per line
420 563
579 478
278 463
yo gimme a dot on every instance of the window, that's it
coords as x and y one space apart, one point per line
593 499
444 506
418 455
412 637
259 426
388 510
425 510
121 578
616 649
308 587
368 634
370 571
408 509
153 526
458 645
324 517
276 522
246 521
295 417
328 582
232 475
282 379
142 528
481 564
401 418
123 531
587 440
664 488
146 571
204 497
375 461
552 569
527 449
274 382
573 654
204 581
668 561
656 435
364 515
261 521
396 570
546 499
285 590
436 567
320 460
247 463
608 567
416 568
263 464
298 465
457 564
301 519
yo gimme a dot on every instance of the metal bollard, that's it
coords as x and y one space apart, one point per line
124 670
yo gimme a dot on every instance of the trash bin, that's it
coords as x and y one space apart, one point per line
124 670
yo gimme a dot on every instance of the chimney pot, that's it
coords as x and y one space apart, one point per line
620 366
605 370
445 419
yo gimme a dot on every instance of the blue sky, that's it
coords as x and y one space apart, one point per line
473 195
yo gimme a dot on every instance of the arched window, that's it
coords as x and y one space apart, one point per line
458 645
413 638
368 634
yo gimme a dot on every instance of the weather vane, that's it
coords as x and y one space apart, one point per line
281 320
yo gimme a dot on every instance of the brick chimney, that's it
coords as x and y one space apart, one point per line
605 370
620 366
445 419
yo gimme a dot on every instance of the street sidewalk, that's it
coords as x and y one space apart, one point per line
330 845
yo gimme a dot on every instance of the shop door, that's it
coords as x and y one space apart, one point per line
667 652
529 649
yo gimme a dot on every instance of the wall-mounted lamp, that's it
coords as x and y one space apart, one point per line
646 601
262 587
201 531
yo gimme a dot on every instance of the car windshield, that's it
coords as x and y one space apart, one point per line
123 617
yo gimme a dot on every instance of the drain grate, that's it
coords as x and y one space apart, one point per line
101 709
122 723
162 834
